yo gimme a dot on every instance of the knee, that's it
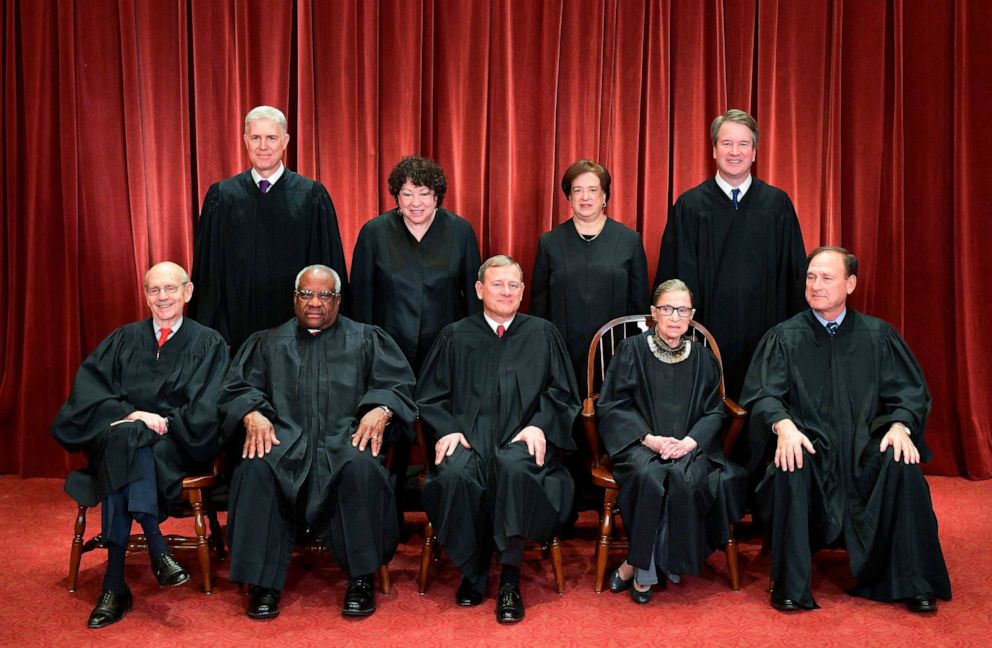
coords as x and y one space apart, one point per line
251 472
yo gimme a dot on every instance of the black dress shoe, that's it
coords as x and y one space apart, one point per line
110 608
922 603
640 597
783 604
618 584
509 604
359 600
264 603
168 572
466 596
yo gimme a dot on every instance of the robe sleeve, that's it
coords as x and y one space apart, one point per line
328 247
471 261
637 281
194 423
765 393
390 379
362 284
434 389
540 280
558 402
706 430
621 424
243 390
678 258
902 391
96 400
792 265
209 263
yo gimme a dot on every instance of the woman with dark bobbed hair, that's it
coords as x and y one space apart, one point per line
414 267
589 270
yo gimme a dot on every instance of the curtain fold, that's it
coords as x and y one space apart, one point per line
119 115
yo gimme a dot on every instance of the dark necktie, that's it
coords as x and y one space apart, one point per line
832 328
500 330
264 185
733 196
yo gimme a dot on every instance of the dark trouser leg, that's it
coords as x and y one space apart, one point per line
358 521
790 542
138 499
904 558
641 477
454 499
531 501
261 527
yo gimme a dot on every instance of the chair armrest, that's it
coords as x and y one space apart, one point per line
591 430
734 425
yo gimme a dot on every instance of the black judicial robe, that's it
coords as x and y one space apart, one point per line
314 389
580 285
489 388
745 267
696 496
250 246
411 288
126 373
844 392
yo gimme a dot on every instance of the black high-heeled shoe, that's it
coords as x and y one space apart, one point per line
640 597
618 584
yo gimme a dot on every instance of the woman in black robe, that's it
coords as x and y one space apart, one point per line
414 271
660 414
588 270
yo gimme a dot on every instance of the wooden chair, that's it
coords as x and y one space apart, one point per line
431 551
195 490
601 350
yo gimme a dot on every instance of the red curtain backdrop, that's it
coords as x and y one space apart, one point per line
118 114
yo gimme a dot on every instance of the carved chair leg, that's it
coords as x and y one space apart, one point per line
76 551
426 554
556 565
216 533
603 544
731 549
202 548
384 583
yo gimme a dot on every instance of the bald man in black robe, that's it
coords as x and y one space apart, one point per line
844 403
314 396
498 396
143 409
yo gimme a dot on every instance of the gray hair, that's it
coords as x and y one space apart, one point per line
738 116
174 267
670 286
317 267
499 261
266 112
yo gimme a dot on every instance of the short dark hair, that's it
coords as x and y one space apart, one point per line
738 116
586 166
422 172
850 261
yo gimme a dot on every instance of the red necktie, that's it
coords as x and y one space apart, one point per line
500 330
163 336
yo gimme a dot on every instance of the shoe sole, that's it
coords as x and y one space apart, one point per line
262 617
357 613
504 621
176 584
110 623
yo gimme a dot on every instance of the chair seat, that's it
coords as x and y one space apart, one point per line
199 481
602 477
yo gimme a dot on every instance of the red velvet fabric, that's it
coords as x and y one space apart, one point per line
119 114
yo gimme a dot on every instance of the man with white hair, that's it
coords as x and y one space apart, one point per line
314 396
143 409
256 230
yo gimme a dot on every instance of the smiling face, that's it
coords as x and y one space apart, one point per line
672 327
828 284
315 313
734 152
587 198
167 291
266 142
416 203
501 291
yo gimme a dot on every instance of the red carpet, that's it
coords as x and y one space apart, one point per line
37 610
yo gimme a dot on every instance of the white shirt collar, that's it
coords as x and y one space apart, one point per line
824 322
727 187
274 178
493 324
174 328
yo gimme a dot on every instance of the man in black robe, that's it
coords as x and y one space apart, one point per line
498 396
735 241
256 230
847 404
314 396
143 409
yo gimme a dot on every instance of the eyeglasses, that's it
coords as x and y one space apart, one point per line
306 295
514 286
683 311
171 289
